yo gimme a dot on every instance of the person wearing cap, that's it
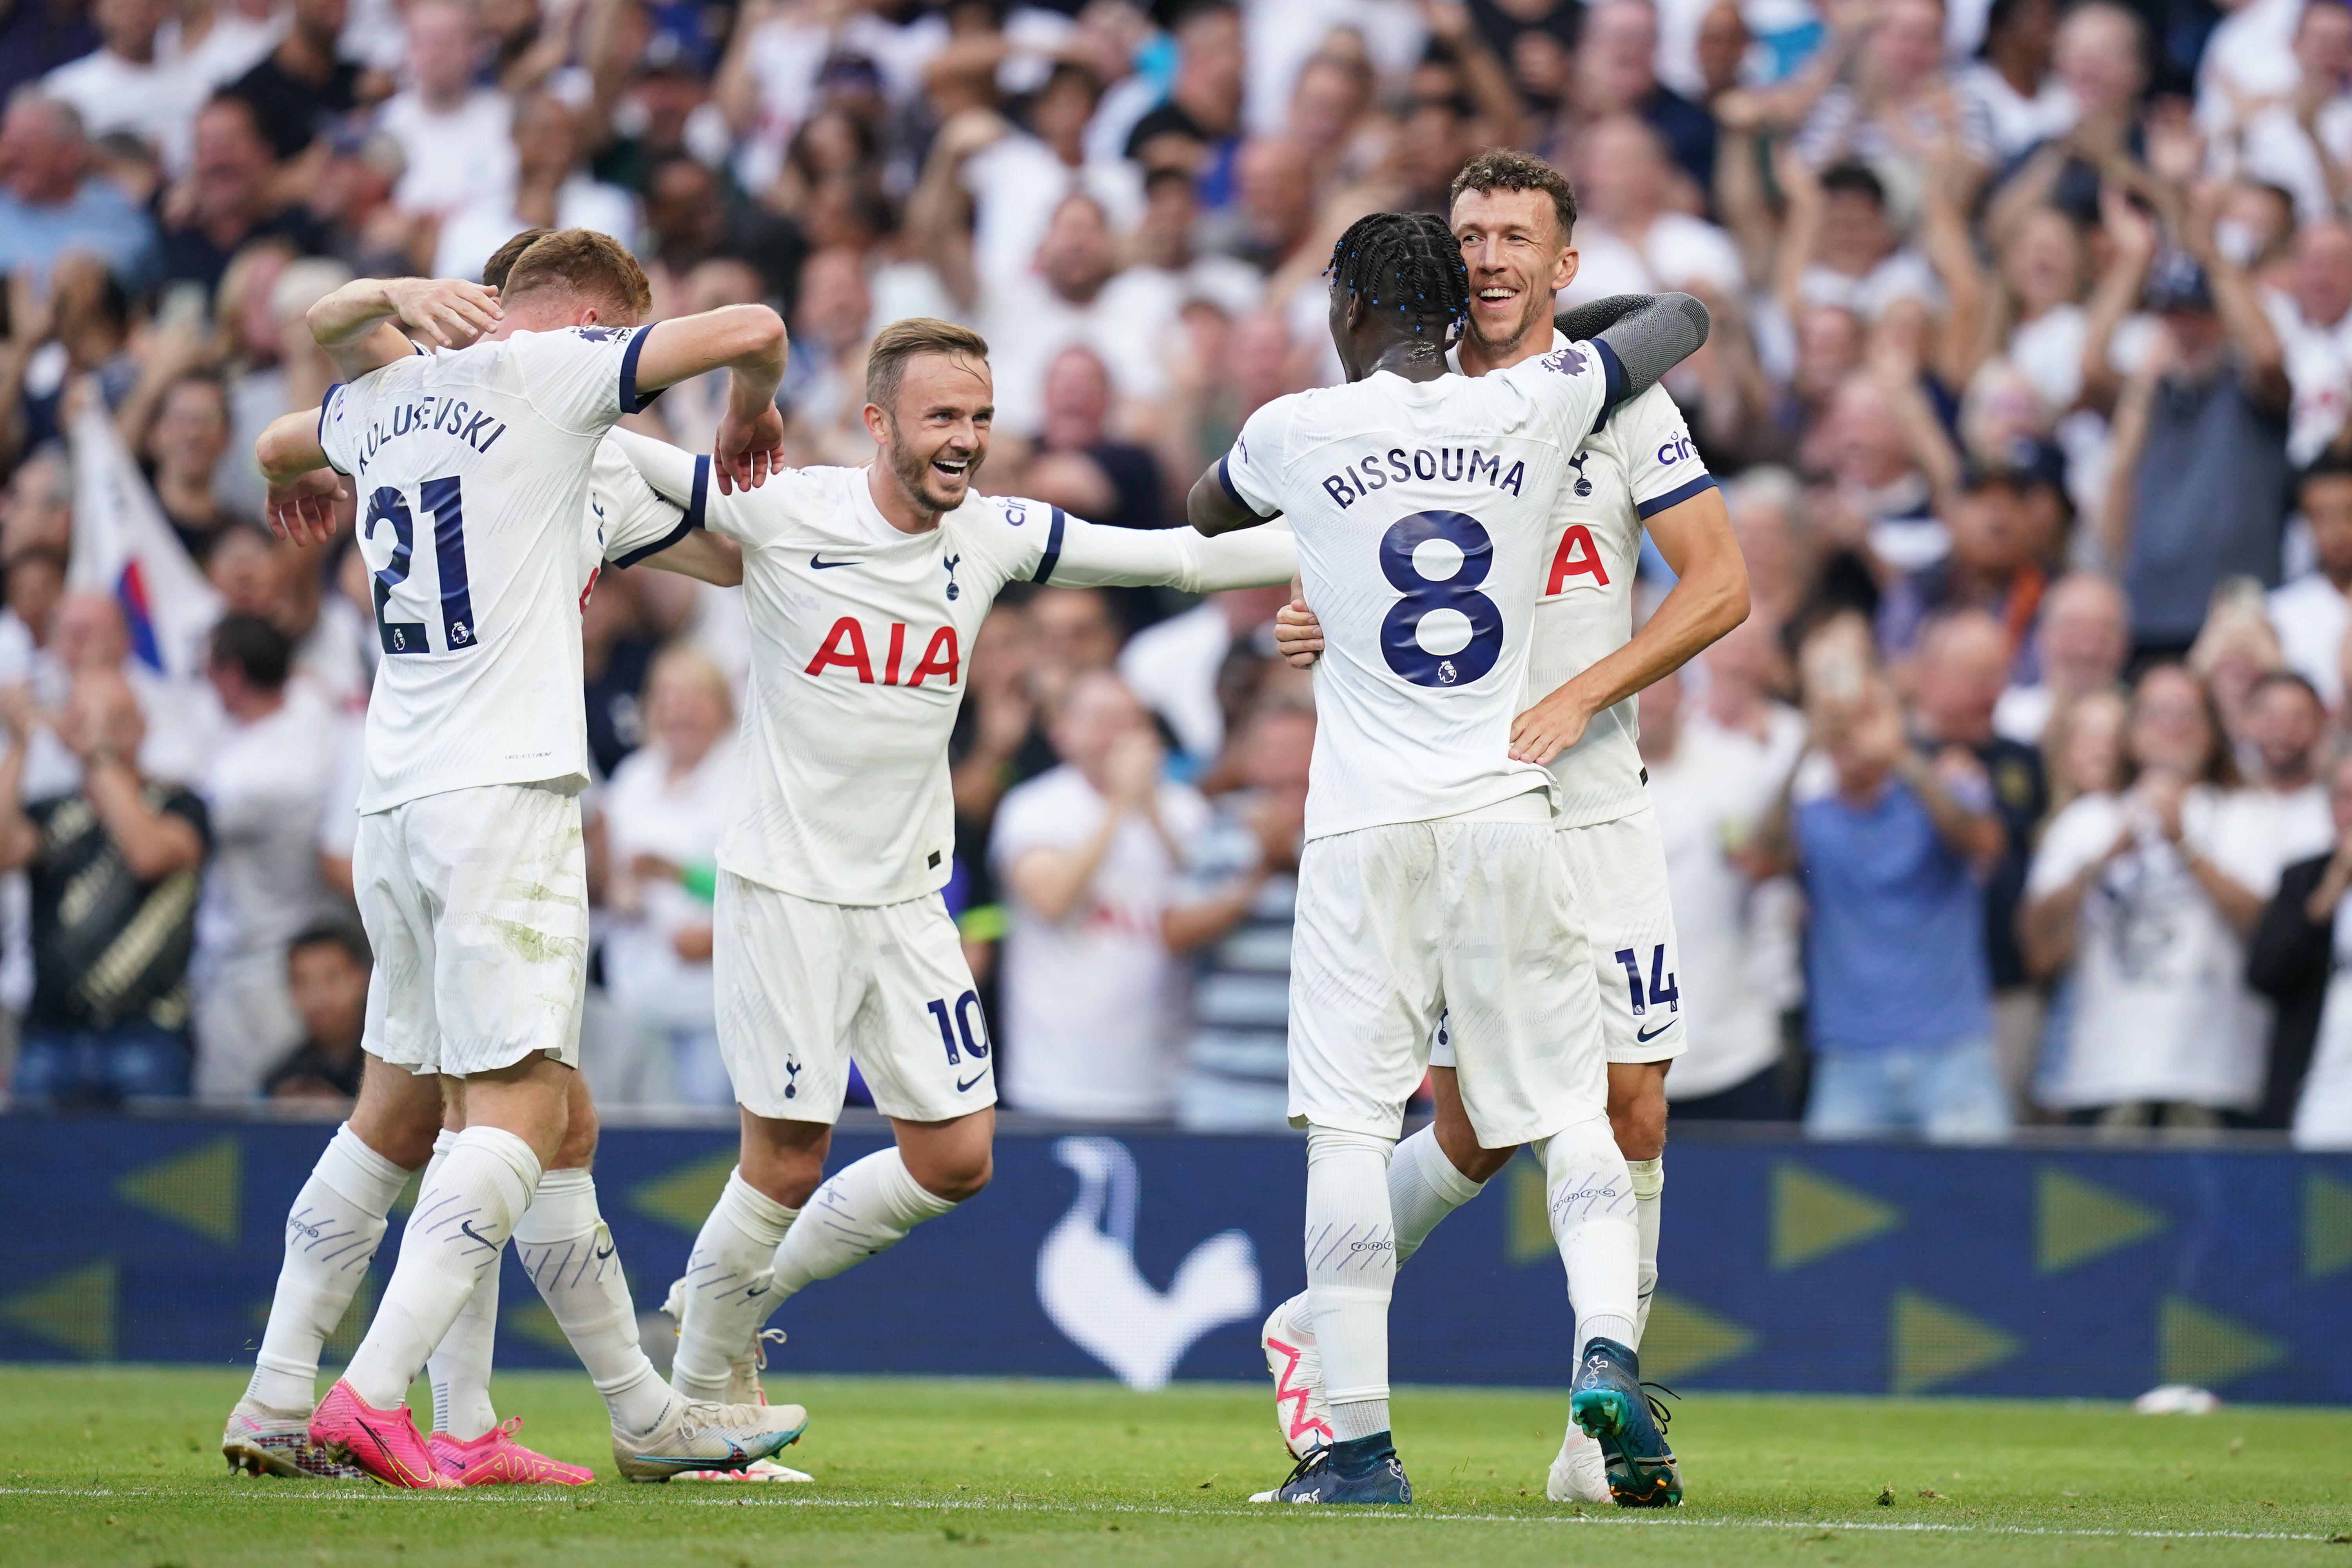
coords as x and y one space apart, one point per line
2200 476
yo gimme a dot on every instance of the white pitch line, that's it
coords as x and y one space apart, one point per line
336 1493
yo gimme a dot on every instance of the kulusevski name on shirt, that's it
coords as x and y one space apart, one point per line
429 414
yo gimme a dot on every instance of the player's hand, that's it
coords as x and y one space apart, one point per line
1297 635
302 509
446 313
1549 728
748 450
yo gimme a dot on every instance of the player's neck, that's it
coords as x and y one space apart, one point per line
1477 356
1408 357
905 512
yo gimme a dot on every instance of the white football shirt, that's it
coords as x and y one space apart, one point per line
472 471
1638 463
859 633
1422 511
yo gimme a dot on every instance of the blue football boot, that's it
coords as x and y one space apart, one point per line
1609 1404
1366 1470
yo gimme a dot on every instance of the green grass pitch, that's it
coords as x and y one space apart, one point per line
121 1466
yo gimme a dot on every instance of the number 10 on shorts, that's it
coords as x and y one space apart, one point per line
1664 992
962 1017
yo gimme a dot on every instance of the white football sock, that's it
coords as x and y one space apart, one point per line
866 1208
459 1367
1650 1201
332 1233
728 1286
1591 1201
1350 1244
569 1254
1423 1188
462 1221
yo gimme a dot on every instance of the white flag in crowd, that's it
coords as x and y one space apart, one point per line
123 546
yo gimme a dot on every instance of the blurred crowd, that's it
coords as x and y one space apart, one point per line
2017 800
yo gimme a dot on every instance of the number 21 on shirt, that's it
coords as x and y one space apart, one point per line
442 502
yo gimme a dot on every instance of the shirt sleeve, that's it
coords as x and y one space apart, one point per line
1663 467
340 423
1091 555
633 519
683 478
581 378
1252 471
1573 387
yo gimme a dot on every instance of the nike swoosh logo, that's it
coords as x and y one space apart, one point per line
1642 1035
467 1227
961 1085
760 1291
606 1253
819 563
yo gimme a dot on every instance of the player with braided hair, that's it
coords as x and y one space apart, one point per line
1407 262
1433 880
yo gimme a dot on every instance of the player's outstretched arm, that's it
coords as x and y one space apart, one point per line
704 556
1650 339
1709 597
749 342
1213 508
303 490
353 324
1094 556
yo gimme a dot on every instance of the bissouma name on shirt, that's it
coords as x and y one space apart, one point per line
1448 465
430 415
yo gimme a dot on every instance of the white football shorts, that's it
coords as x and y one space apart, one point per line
1474 917
804 987
1620 869
476 902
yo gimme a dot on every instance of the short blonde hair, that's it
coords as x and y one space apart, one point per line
592 265
894 345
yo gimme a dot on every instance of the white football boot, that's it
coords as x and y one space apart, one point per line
1301 1414
1580 1473
743 1388
262 1441
698 1435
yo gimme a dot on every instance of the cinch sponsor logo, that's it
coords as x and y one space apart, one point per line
1677 451
844 648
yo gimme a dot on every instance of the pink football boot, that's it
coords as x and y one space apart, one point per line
383 1443
496 1459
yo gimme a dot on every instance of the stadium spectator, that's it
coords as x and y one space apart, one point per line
228 199
456 137
1711 799
1241 895
126 84
264 789
2292 959
1090 857
663 813
2082 640
114 868
2145 894
327 967
304 81
2310 613
1891 861
51 201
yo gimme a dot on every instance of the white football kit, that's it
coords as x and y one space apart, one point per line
833 943
473 469
1640 462
1432 878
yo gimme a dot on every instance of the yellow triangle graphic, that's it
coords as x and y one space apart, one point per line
684 1197
2327 1226
2196 1345
2075 1221
534 1322
1933 1343
1812 1216
74 1310
199 1188
1527 1231
1683 1338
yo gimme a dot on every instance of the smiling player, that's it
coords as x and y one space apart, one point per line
1513 217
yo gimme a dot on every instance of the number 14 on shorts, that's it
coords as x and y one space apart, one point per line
1663 991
